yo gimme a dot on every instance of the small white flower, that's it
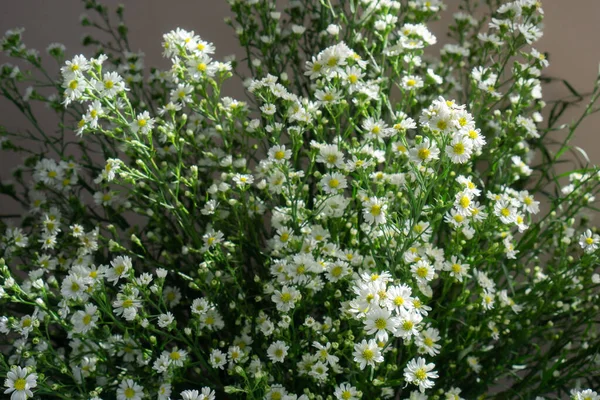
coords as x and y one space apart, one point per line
277 351
419 373
19 382
367 353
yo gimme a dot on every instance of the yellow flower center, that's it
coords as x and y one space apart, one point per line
128 303
334 183
589 240
20 384
175 355
465 201
353 78
286 297
129 393
420 374
87 318
456 268
422 272
411 82
380 323
376 210
279 155
109 85
399 300
407 325
73 84
459 148
336 271
368 354
423 153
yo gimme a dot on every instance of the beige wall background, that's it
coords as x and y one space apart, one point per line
571 36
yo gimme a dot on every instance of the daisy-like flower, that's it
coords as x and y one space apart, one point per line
19 382
427 341
399 297
408 324
129 390
127 304
286 298
218 359
84 321
505 211
419 373
424 152
367 353
205 394
586 394
143 123
328 96
473 363
379 321
345 391
111 84
243 180
374 211
459 150
456 268
277 351
279 154
331 156
423 271
589 241
412 82
120 267
211 239
376 129
332 183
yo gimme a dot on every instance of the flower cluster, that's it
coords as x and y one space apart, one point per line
373 222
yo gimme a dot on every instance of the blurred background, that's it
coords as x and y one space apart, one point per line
571 37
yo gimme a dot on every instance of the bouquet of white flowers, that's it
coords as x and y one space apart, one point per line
376 220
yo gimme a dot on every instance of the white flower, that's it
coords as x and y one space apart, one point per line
412 82
408 324
423 271
277 351
279 154
459 150
379 321
374 211
120 266
19 382
242 180
206 394
84 321
331 156
285 298
165 320
424 152
111 84
345 391
589 241
473 363
332 183
218 359
367 353
129 390
419 373
143 123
